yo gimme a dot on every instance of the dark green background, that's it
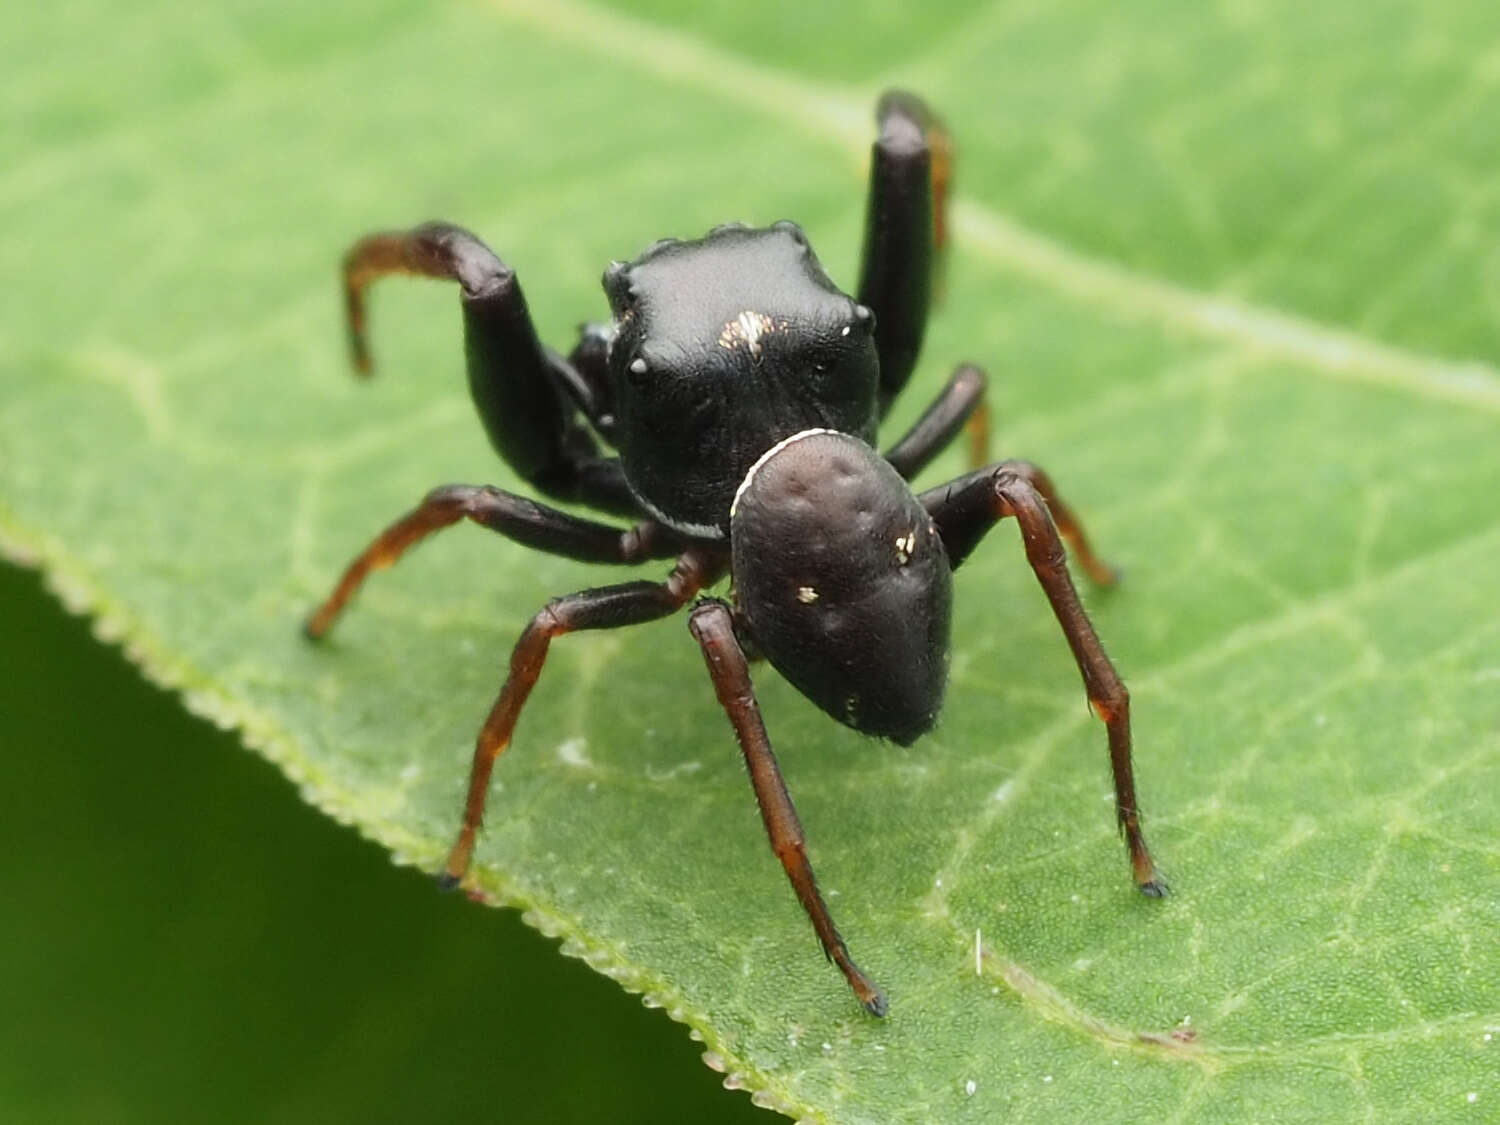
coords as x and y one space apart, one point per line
183 939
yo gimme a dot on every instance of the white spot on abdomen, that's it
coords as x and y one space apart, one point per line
905 546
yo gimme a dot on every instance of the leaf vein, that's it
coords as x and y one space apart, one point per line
839 115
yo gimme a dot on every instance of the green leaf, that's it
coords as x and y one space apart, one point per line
1232 269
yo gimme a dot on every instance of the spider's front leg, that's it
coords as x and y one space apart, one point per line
959 406
964 510
608 607
905 232
528 397
713 626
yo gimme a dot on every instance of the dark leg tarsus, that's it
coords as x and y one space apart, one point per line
964 511
516 517
608 607
712 625
959 406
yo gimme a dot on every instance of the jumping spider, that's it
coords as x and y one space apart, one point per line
743 391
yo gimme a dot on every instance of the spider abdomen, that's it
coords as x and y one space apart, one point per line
844 582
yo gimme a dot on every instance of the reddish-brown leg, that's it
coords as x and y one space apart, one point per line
608 607
967 515
964 511
978 429
515 517
437 250
1099 571
712 625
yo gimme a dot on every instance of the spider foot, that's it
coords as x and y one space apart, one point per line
1155 888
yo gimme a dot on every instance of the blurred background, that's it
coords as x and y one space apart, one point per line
329 986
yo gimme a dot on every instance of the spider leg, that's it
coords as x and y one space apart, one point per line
964 511
713 627
959 406
590 359
516 517
906 231
608 607
528 397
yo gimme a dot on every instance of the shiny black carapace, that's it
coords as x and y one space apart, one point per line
743 391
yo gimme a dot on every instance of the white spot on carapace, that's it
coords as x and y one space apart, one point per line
747 329
572 753
638 366
806 595
970 1086
905 545
848 328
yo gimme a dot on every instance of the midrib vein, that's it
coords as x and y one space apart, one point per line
843 116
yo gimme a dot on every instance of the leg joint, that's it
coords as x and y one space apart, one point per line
1110 700
548 622
451 250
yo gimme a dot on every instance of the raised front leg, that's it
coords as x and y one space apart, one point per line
527 396
905 232
712 625
964 511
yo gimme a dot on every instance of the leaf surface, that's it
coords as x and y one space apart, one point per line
1232 269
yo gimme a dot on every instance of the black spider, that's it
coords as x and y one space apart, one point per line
743 391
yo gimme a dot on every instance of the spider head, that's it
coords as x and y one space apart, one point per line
725 346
